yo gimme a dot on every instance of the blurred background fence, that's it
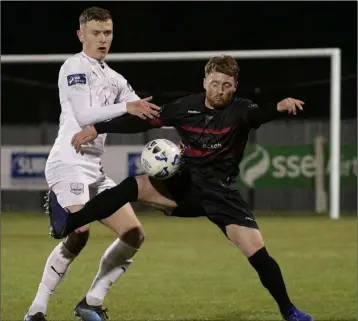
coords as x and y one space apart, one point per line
285 134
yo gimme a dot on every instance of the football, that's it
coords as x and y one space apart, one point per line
161 158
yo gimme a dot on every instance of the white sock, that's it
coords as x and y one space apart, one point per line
114 262
55 270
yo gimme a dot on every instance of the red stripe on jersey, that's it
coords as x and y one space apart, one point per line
206 130
156 122
192 152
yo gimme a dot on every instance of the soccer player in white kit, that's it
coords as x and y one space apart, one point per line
90 92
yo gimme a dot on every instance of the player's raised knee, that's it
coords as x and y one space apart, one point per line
249 240
76 241
134 236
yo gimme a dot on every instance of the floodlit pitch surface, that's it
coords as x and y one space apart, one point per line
187 270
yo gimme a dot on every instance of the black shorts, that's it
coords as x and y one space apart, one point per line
221 204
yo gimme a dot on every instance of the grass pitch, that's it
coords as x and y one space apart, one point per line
187 270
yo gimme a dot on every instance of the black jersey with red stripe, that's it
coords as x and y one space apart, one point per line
213 140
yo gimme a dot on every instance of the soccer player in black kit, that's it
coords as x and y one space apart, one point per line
213 128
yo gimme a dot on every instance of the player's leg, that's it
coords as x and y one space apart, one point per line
238 223
251 243
103 205
64 253
116 259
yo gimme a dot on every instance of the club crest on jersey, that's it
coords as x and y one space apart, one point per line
76 79
77 188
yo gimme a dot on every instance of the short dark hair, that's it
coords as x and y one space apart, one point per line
94 13
224 64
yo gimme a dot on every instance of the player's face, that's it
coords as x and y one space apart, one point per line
96 37
219 89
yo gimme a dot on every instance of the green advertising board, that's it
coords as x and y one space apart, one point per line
293 166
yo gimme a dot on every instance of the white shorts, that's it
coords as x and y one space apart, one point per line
76 184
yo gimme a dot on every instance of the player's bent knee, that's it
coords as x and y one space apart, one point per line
249 240
134 236
256 244
76 241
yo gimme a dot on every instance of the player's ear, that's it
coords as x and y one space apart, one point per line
204 83
236 84
80 35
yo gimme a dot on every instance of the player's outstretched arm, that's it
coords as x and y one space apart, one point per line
126 124
87 116
257 116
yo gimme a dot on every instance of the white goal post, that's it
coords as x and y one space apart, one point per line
335 96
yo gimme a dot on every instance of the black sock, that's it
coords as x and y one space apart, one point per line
271 278
104 204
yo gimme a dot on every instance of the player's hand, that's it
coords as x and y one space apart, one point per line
290 105
143 108
84 136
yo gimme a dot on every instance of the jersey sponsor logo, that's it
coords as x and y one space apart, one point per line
253 106
249 218
194 112
212 146
76 79
206 144
77 188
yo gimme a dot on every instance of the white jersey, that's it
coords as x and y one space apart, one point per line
90 92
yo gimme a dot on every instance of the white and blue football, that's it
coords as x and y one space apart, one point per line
161 158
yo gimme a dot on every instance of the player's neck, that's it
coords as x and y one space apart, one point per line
207 104
89 56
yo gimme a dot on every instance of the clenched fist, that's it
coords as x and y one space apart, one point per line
290 105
